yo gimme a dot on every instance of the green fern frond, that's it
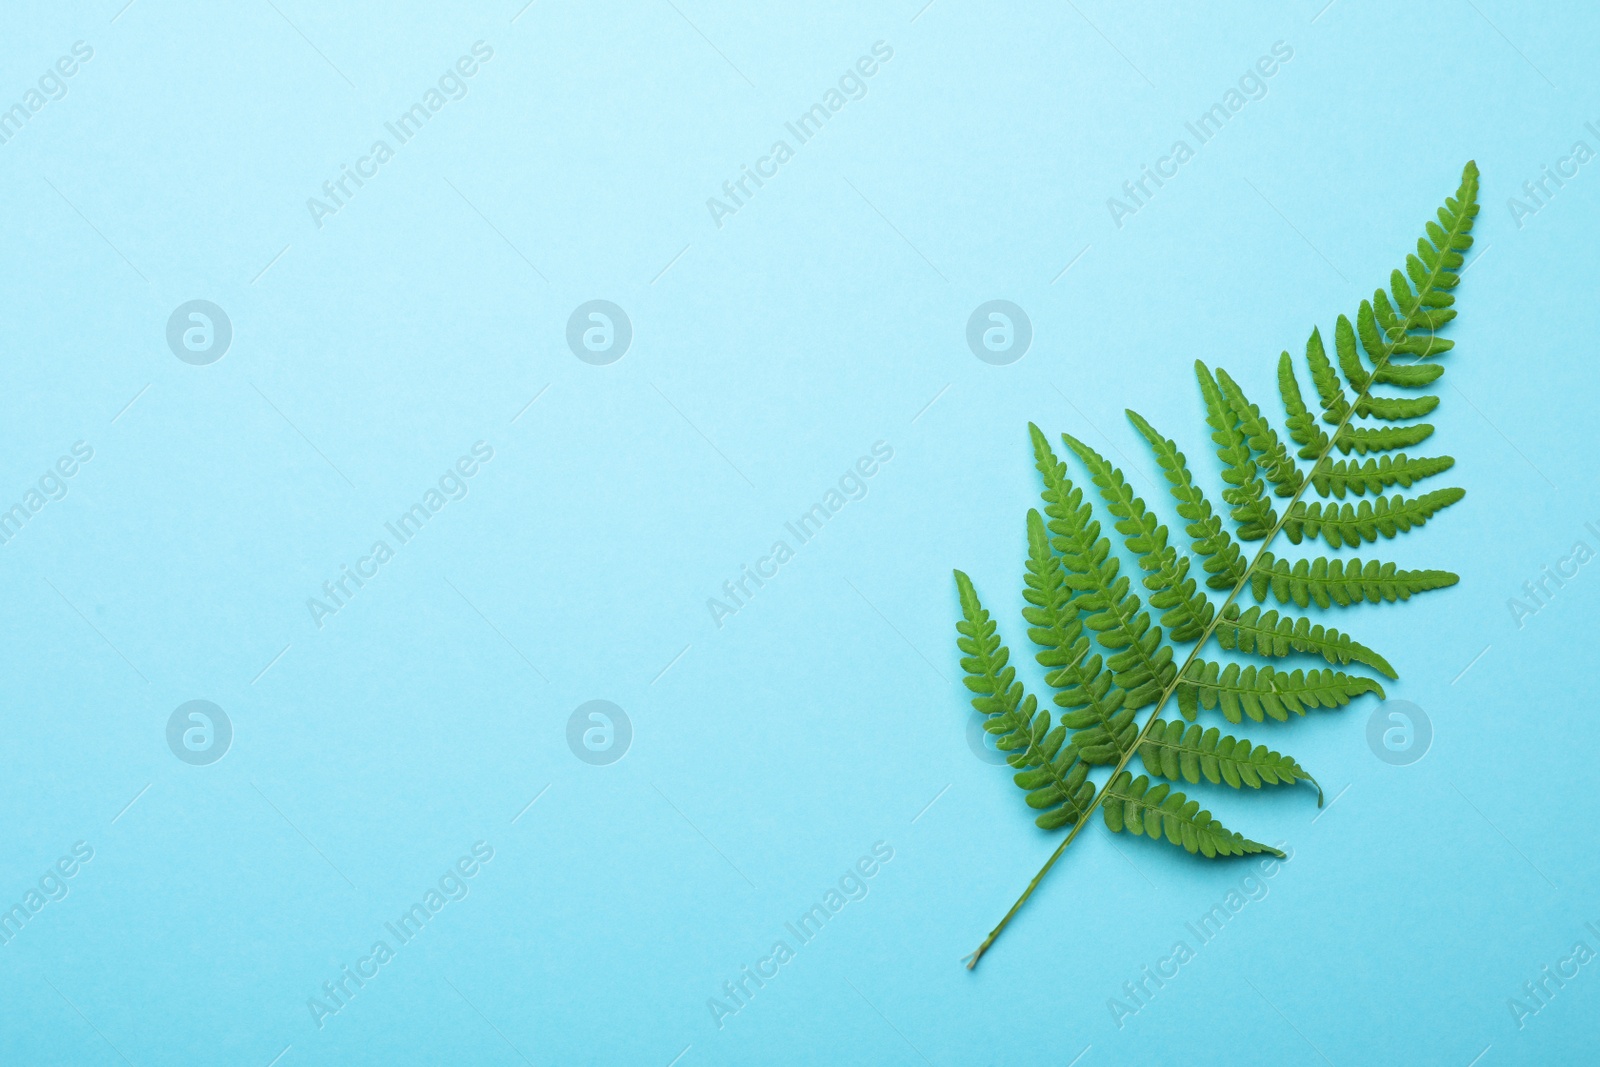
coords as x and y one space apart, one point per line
1131 805
1079 604
1178 752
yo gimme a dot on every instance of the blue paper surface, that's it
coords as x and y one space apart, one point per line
540 438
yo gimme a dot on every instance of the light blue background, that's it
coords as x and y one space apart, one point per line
772 752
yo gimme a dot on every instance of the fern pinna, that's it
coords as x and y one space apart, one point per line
1108 661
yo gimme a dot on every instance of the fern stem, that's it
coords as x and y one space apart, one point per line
972 960
1463 219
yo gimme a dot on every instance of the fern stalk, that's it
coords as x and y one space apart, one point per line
1419 316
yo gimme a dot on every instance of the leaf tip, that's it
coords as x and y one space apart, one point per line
967 595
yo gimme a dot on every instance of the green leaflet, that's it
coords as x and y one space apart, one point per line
1289 482
1343 476
1052 773
1252 512
1303 428
1266 691
1140 662
1167 574
1220 556
1351 524
1131 804
1279 469
1094 703
1411 377
1395 408
1364 439
1177 752
1335 407
1339 582
1344 343
1270 634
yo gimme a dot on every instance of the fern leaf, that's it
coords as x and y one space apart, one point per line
1395 408
1078 600
1335 406
1303 428
1188 611
1337 477
1382 329
1364 439
1343 582
1344 343
1246 492
1219 555
1094 704
1378 473
1055 777
1266 691
1131 805
1412 376
1271 635
1351 524
1140 663
1275 462
1052 772
1177 752
1386 330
